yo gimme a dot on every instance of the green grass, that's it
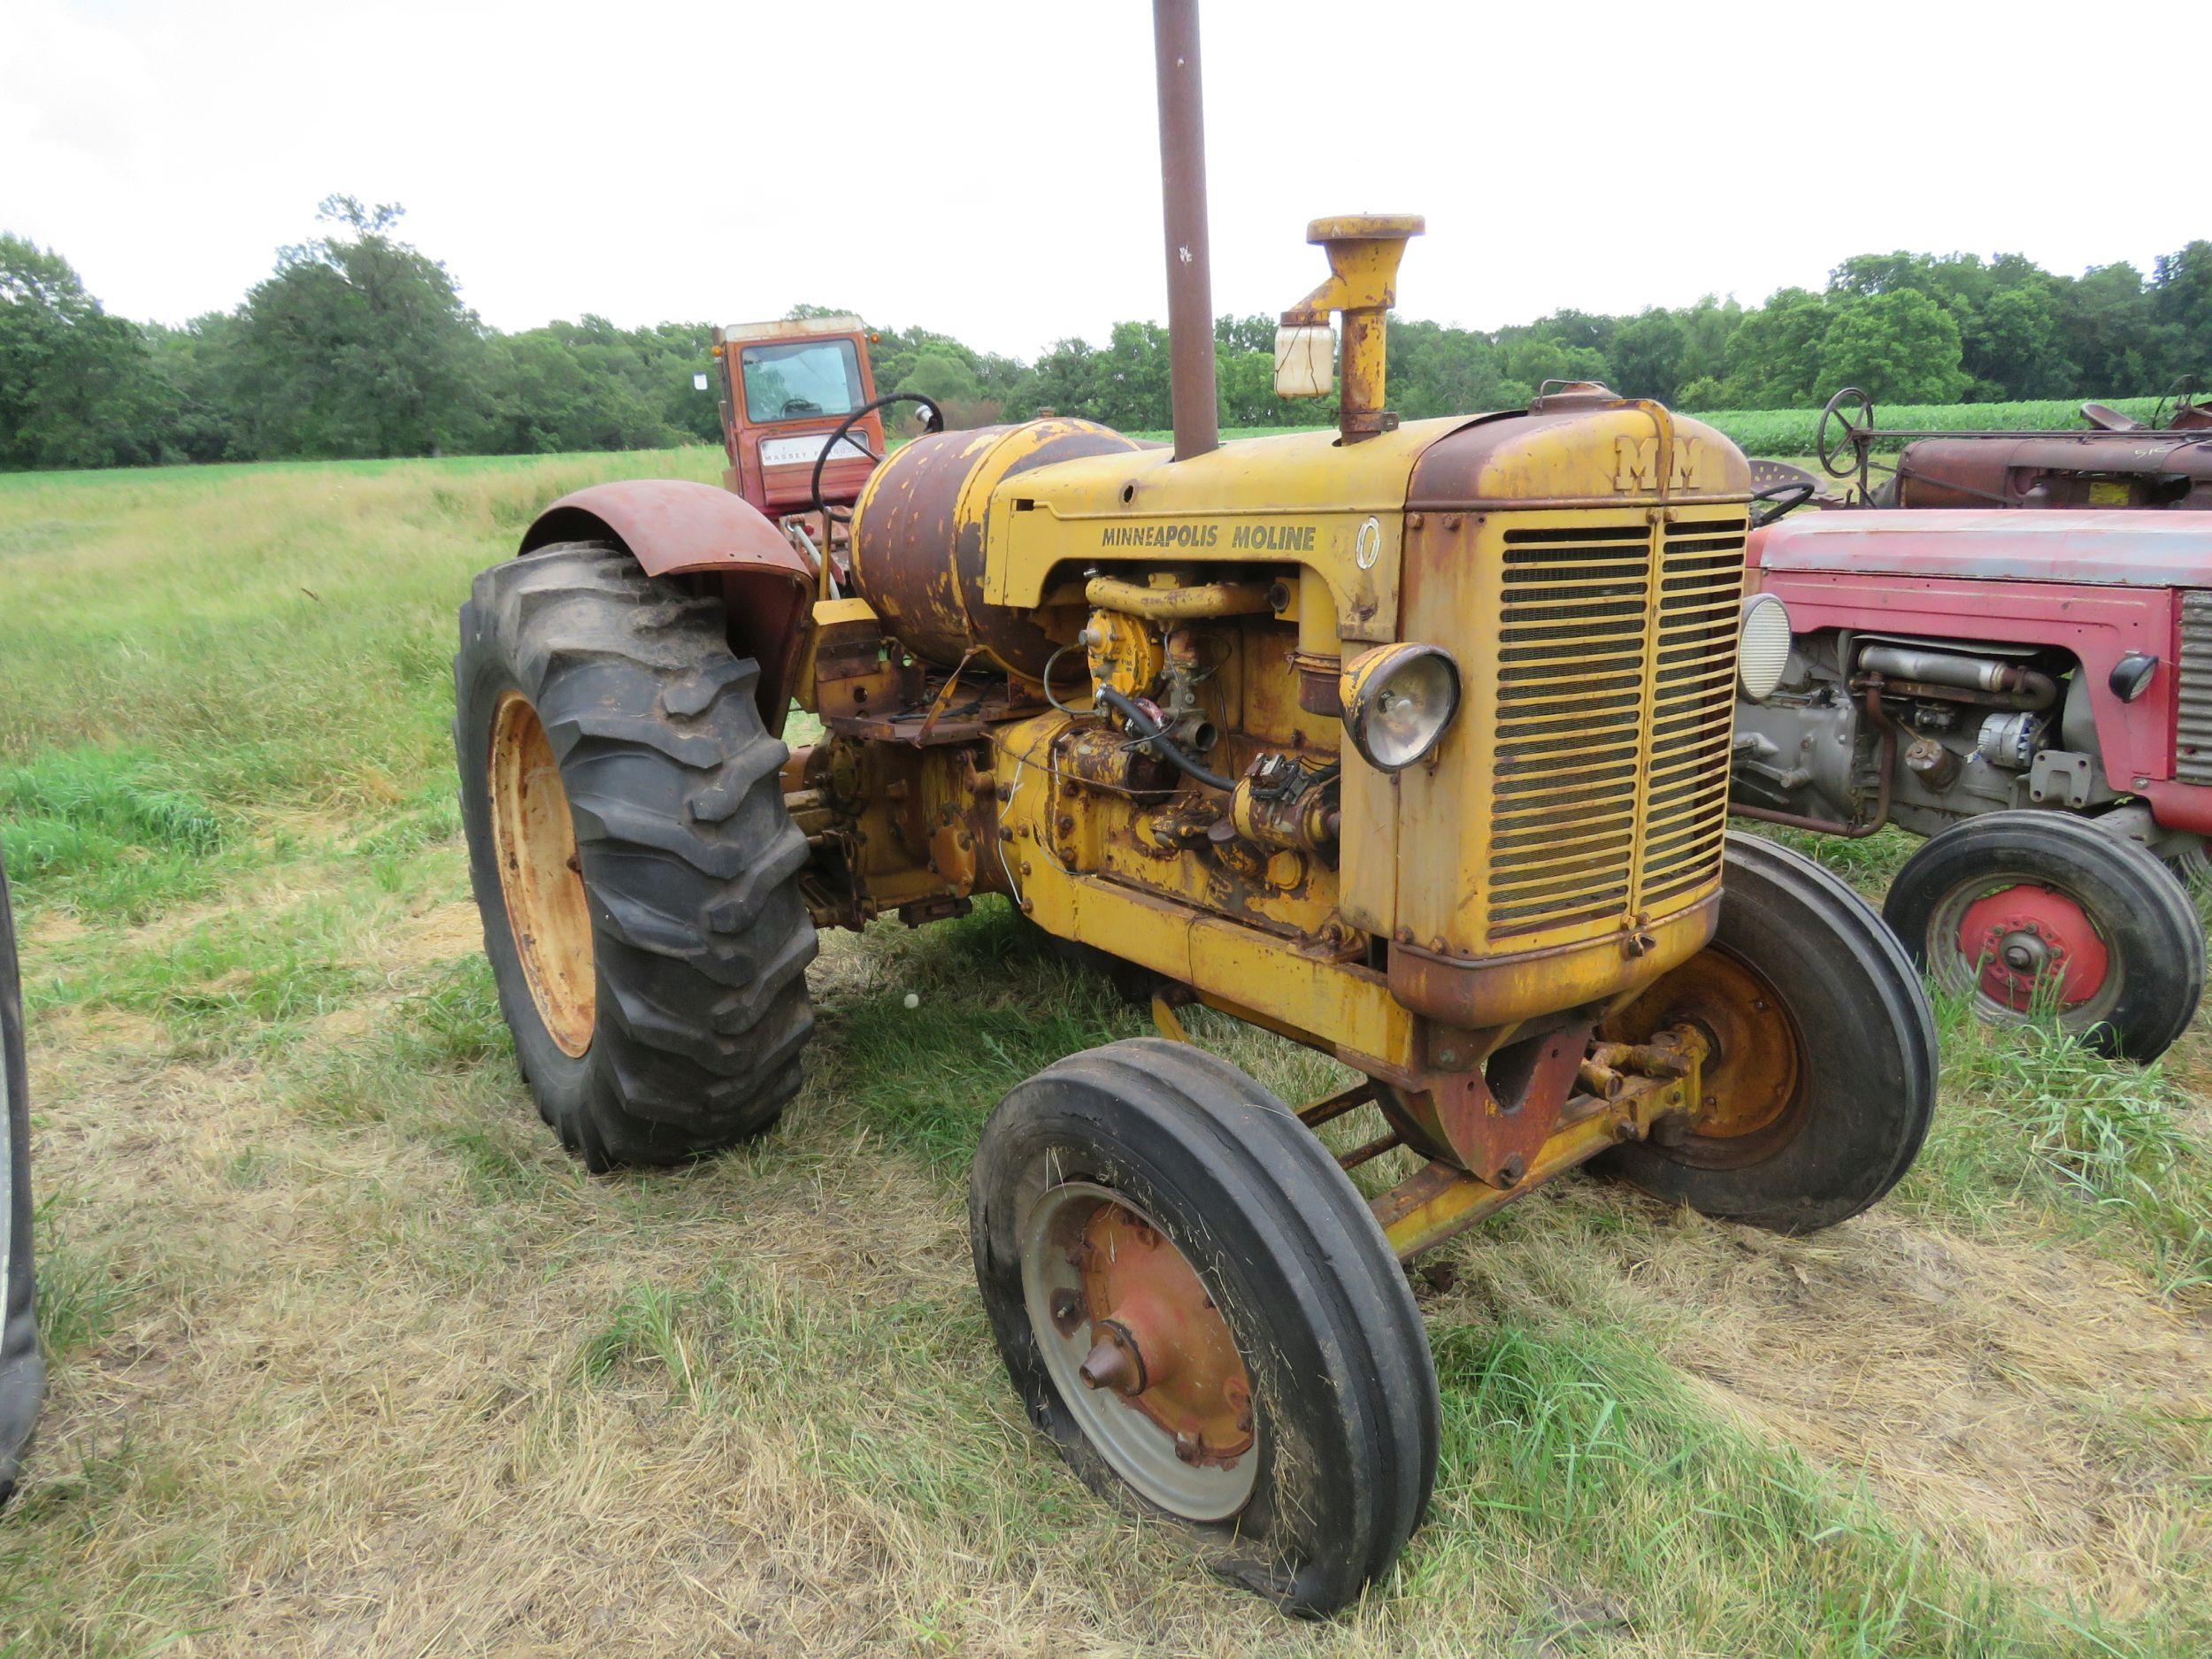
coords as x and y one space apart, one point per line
349 1358
1792 432
2102 1149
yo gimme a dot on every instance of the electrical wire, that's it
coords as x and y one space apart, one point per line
1156 737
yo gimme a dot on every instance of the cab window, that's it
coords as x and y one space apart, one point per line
805 378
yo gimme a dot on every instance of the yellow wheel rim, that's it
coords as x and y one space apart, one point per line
540 876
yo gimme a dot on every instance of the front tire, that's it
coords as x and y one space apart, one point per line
632 858
22 1365
1195 1305
2023 913
1821 1081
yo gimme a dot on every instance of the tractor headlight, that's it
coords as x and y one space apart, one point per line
1763 646
1397 702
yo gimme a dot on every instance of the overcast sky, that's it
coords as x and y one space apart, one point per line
991 169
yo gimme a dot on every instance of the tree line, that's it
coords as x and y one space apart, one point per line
358 344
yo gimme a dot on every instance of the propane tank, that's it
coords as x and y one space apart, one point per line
918 532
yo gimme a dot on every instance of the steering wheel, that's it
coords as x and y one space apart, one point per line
2178 394
1786 497
1855 436
934 420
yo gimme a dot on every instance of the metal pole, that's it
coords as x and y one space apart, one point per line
1190 304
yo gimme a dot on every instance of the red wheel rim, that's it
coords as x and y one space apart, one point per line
2020 937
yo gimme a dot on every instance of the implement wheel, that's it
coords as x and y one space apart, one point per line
1821 1073
1197 1306
632 857
2022 912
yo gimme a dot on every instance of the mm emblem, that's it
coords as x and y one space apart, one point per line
1636 464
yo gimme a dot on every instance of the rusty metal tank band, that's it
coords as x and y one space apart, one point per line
919 538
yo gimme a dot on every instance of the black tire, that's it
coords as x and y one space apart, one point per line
22 1365
1862 1086
1343 1388
700 939
2139 910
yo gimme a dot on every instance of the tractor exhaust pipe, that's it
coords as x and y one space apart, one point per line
1190 296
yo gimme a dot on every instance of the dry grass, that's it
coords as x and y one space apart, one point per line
351 1360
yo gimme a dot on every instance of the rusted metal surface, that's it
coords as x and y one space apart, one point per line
1177 602
1491 1115
1332 1107
777 487
540 876
1441 1201
2097 624
1363 251
919 538
1583 753
1160 1343
1886 768
674 528
1494 989
1190 305
1748 1096
1576 450
1101 756
2117 462
2058 469
2098 586
1371 1150
2113 549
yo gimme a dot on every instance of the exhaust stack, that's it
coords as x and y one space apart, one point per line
1190 304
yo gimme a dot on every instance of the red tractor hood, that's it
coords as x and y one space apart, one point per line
2117 549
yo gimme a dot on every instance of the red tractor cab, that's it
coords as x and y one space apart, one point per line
786 388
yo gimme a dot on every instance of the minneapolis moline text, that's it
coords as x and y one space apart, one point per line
1243 538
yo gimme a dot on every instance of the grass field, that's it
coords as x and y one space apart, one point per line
1793 434
350 1359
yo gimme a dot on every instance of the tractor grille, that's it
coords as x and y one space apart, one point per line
1616 691
2193 724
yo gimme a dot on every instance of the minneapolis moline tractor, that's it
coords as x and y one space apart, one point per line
1408 742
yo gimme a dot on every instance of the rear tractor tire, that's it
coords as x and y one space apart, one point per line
22 1362
631 856
1196 1305
2022 912
1820 1079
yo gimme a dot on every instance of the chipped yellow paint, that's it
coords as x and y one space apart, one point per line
1298 499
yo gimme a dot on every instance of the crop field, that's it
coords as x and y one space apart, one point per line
1785 431
1791 433
350 1359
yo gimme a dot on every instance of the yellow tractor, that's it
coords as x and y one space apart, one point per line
1409 742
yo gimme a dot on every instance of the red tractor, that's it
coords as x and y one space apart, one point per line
2032 691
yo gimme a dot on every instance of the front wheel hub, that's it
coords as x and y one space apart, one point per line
1139 1351
2023 938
